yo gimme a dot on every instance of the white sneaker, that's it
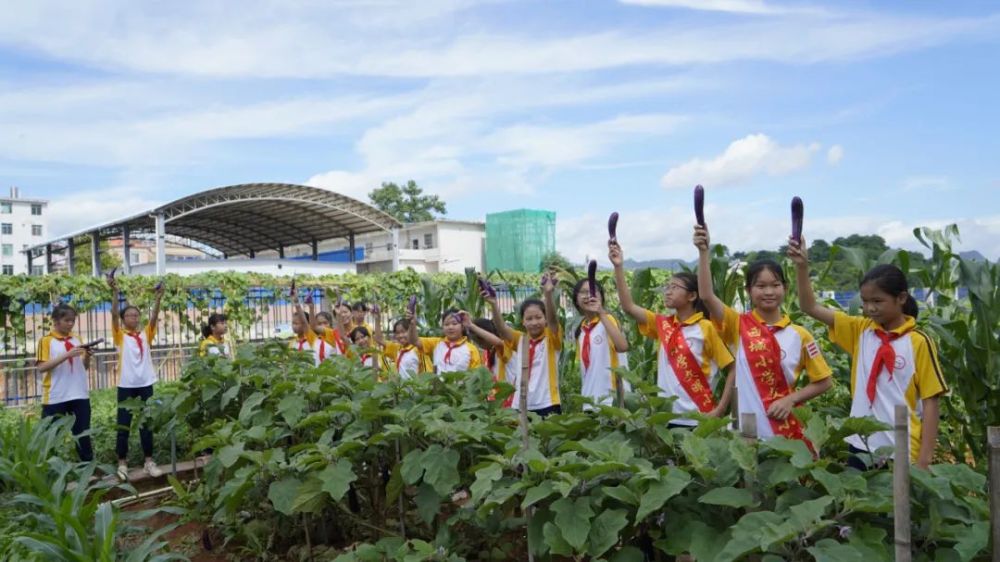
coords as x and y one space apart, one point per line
152 470
122 472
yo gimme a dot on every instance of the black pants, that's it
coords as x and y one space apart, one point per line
81 409
125 422
544 412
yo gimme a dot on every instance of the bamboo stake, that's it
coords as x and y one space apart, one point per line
901 484
993 448
525 437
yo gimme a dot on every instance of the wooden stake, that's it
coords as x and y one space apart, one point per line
619 392
748 426
525 437
901 484
993 448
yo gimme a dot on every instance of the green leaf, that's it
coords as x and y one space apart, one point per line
428 503
485 477
669 485
292 407
441 468
829 550
728 496
573 520
413 467
795 448
622 494
554 540
536 493
817 432
250 406
628 554
229 454
961 476
746 533
604 530
744 454
337 479
282 494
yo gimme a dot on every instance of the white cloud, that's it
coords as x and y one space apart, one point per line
928 183
834 155
77 210
736 6
742 160
314 40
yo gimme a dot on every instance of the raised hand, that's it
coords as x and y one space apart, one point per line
701 239
615 255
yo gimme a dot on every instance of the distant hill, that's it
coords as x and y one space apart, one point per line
972 255
672 264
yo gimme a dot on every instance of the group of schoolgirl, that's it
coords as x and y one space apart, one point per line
773 364
63 362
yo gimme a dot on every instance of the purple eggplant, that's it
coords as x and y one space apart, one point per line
592 278
613 227
798 210
375 309
412 305
699 205
291 289
158 287
487 288
309 297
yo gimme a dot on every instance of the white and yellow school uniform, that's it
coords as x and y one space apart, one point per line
597 378
309 342
799 354
135 358
543 382
447 357
705 344
916 375
332 344
68 380
407 358
214 346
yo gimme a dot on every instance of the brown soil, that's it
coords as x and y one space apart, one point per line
186 539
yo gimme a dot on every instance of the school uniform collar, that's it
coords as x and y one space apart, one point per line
783 322
61 337
908 324
214 339
459 342
691 320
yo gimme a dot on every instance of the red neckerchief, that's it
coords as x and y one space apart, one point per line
138 342
585 346
885 357
302 342
322 350
69 345
532 344
447 354
399 357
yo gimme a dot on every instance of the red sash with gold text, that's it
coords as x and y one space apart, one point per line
764 358
687 367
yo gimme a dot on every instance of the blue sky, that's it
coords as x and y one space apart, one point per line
882 116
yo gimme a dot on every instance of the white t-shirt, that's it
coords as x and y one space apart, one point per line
597 377
68 380
135 361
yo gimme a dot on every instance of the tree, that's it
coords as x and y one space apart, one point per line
109 259
407 203
555 260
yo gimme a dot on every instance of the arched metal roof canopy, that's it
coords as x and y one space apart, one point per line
248 218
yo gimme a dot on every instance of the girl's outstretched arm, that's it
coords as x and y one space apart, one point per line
503 330
551 317
807 298
617 259
716 308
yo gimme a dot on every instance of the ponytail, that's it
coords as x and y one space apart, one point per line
910 307
213 319
205 331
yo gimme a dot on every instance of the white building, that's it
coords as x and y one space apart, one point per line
426 247
23 223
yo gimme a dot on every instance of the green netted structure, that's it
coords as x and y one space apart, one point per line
517 240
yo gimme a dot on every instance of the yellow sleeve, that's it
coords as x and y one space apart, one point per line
927 375
715 348
427 345
475 358
42 349
391 349
648 326
117 337
555 339
311 336
846 331
812 362
203 348
150 333
512 345
504 351
728 326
